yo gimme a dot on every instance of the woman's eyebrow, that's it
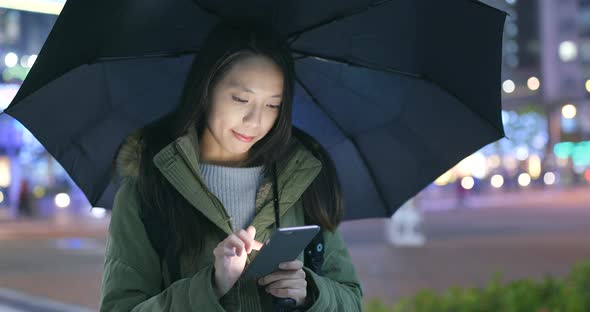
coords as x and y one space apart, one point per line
234 84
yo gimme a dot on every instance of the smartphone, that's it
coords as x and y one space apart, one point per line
284 245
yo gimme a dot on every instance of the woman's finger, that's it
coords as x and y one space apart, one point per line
251 230
288 293
224 251
233 241
245 237
230 252
282 275
256 245
291 265
288 283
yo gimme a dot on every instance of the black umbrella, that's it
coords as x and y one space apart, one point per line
397 91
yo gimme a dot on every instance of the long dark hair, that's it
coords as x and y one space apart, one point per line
226 44
322 200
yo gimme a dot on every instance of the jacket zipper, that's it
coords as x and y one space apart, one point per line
216 201
219 206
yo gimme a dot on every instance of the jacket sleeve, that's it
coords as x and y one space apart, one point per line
338 289
132 273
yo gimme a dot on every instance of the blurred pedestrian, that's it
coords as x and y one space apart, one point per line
460 194
25 200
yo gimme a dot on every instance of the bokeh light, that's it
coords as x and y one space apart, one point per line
98 212
62 200
11 59
568 51
444 179
497 181
524 179
549 178
533 83
535 166
568 111
467 183
508 86
38 191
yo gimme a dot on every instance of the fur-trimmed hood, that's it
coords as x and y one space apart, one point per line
129 155
179 164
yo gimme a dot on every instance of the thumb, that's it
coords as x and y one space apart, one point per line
256 245
251 230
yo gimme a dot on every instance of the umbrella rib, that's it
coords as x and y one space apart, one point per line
275 9
394 71
208 10
294 36
356 64
485 5
107 178
132 57
352 140
478 114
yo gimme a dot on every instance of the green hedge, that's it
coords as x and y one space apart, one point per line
549 295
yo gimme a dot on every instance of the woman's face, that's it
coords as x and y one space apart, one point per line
245 105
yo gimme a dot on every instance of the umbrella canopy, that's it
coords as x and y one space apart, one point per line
398 91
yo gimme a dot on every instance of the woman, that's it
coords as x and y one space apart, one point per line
205 172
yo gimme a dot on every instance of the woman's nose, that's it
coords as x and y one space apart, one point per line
254 117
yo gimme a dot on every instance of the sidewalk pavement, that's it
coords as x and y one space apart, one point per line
64 224
466 257
548 197
59 226
16 301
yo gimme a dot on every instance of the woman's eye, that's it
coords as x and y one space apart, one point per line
239 100
246 101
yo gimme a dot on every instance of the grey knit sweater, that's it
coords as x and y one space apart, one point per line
236 188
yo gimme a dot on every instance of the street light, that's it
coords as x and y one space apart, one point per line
497 181
508 86
549 178
62 200
568 111
11 59
535 166
467 183
31 60
533 83
568 51
524 179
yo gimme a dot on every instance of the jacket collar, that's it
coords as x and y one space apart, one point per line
179 163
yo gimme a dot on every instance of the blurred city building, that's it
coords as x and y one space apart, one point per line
32 183
545 100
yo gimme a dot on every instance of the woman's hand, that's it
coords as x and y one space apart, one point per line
289 282
230 258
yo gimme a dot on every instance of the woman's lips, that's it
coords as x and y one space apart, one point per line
243 138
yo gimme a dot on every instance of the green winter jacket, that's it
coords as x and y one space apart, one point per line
132 273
